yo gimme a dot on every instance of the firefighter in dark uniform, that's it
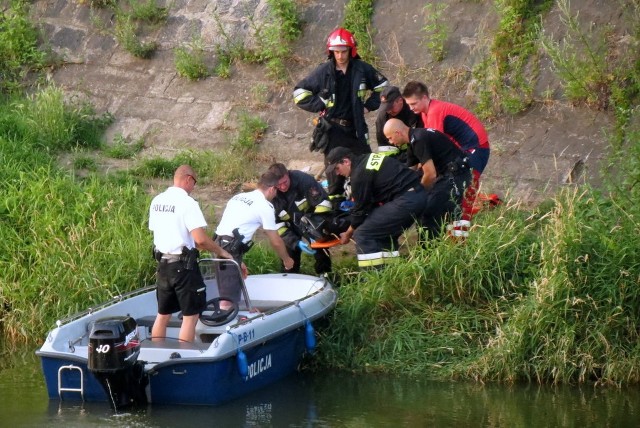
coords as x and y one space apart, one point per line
387 198
394 106
445 171
342 90
299 193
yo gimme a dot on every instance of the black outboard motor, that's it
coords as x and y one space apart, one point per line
114 347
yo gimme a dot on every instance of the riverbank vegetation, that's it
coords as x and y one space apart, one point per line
547 294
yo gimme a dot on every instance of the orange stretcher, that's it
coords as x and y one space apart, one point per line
325 244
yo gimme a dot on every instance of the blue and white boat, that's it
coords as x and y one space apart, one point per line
106 353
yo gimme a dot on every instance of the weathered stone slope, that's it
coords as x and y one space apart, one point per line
533 153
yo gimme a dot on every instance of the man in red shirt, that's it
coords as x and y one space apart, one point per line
461 126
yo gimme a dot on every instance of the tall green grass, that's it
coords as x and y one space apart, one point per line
549 295
68 242
19 53
228 167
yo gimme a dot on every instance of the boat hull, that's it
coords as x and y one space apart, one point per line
265 342
216 382
190 381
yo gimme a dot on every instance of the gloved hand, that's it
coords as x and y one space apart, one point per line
306 248
346 205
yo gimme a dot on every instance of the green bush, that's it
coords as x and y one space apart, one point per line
126 33
19 53
122 148
191 60
357 19
47 121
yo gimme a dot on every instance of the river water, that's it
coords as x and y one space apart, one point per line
331 400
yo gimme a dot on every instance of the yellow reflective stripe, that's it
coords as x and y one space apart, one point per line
377 259
323 207
301 94
284 216
388 150
381 86
282 228
369 263
374 161
302 204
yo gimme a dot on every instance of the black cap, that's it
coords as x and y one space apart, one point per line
388 96
335 156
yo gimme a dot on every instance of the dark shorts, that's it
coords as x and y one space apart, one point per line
179 289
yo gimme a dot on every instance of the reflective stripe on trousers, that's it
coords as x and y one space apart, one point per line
379 233
377 259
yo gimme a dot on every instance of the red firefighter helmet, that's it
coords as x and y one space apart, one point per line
341 38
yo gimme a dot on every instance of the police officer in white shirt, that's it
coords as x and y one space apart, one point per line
178 227
244 214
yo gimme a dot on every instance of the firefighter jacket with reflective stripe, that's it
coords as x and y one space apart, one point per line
305 194
316 92
377 179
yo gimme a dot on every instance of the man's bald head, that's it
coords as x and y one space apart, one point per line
185 178
396 132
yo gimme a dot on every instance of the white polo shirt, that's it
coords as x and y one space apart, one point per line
173 214
247 211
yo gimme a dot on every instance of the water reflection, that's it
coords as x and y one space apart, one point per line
334 400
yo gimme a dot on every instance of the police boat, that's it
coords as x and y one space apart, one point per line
106 353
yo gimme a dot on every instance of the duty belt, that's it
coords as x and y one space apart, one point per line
229 243
170 258
458 166
225 239
341 122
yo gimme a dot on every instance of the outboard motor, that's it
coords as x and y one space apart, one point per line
114 347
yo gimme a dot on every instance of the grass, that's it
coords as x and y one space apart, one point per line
57 227
126 32
548 294
132 19
123 148
435 30
357 19
148 11
229 167
53 125
191 60
273 35
592 67
19 53
506 76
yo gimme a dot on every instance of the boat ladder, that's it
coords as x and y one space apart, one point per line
62 389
